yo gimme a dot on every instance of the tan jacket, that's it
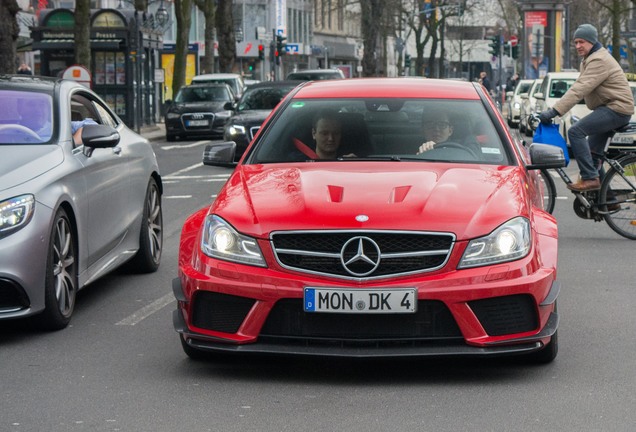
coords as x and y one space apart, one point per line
602 83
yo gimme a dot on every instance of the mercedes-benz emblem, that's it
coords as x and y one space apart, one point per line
360 256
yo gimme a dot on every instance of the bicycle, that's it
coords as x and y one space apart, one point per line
615 201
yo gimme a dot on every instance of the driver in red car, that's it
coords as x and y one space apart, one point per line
437 128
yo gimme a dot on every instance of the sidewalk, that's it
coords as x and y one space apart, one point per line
155 132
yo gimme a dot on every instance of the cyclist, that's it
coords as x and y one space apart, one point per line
603 86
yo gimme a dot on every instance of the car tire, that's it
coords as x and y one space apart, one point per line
60 284
548 353
148 257
193 353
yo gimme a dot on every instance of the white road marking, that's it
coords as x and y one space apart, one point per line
182 146
148 310
164 301
186 169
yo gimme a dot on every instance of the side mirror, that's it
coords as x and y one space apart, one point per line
219 154
539 96
229 106
543 156
99 136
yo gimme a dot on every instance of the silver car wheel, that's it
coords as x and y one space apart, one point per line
155 222
148 257
60 287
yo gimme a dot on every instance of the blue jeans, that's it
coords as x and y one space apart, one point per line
597 126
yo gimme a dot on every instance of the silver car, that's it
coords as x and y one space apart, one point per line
73 207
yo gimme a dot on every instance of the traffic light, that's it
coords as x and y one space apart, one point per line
407 60
494 45
280 44
261 52
515 52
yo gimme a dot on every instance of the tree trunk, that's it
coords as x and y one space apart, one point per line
183 14
209 12
9 32
227 43
372 11
82 44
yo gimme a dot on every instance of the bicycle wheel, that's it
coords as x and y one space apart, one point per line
618 198
549 190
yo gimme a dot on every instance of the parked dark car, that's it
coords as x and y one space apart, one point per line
198 110
252 109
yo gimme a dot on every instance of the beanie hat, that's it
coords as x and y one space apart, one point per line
587 32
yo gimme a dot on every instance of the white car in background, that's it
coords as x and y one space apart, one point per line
513 100
627 140
527 107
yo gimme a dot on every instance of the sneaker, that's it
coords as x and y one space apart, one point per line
585 185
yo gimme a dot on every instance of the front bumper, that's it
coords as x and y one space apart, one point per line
23 256
177 127
267 319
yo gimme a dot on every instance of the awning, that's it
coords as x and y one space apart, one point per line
69 44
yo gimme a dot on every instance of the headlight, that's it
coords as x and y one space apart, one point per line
236 130
173 116
516 105
15 213
221 241
509 242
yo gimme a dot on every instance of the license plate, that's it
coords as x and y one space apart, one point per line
623 139
197 123
336 300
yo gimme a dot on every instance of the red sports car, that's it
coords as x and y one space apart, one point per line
375 217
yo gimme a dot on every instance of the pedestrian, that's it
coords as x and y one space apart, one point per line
483 80
24 69
512 82
604 87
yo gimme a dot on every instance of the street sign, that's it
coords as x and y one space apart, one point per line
513 40
292 48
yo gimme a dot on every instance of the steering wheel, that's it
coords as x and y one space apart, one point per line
457 146
19 129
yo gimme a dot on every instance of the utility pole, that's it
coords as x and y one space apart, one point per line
500 71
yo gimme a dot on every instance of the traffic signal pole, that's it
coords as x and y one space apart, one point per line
501 94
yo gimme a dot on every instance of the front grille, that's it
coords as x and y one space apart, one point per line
506 315
188 118
386 253
220 312
12 296
432 321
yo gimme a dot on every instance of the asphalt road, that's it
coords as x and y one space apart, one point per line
120 367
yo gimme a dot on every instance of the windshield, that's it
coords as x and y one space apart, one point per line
523 87
203 94
394 129
263 98
313 76
26 117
